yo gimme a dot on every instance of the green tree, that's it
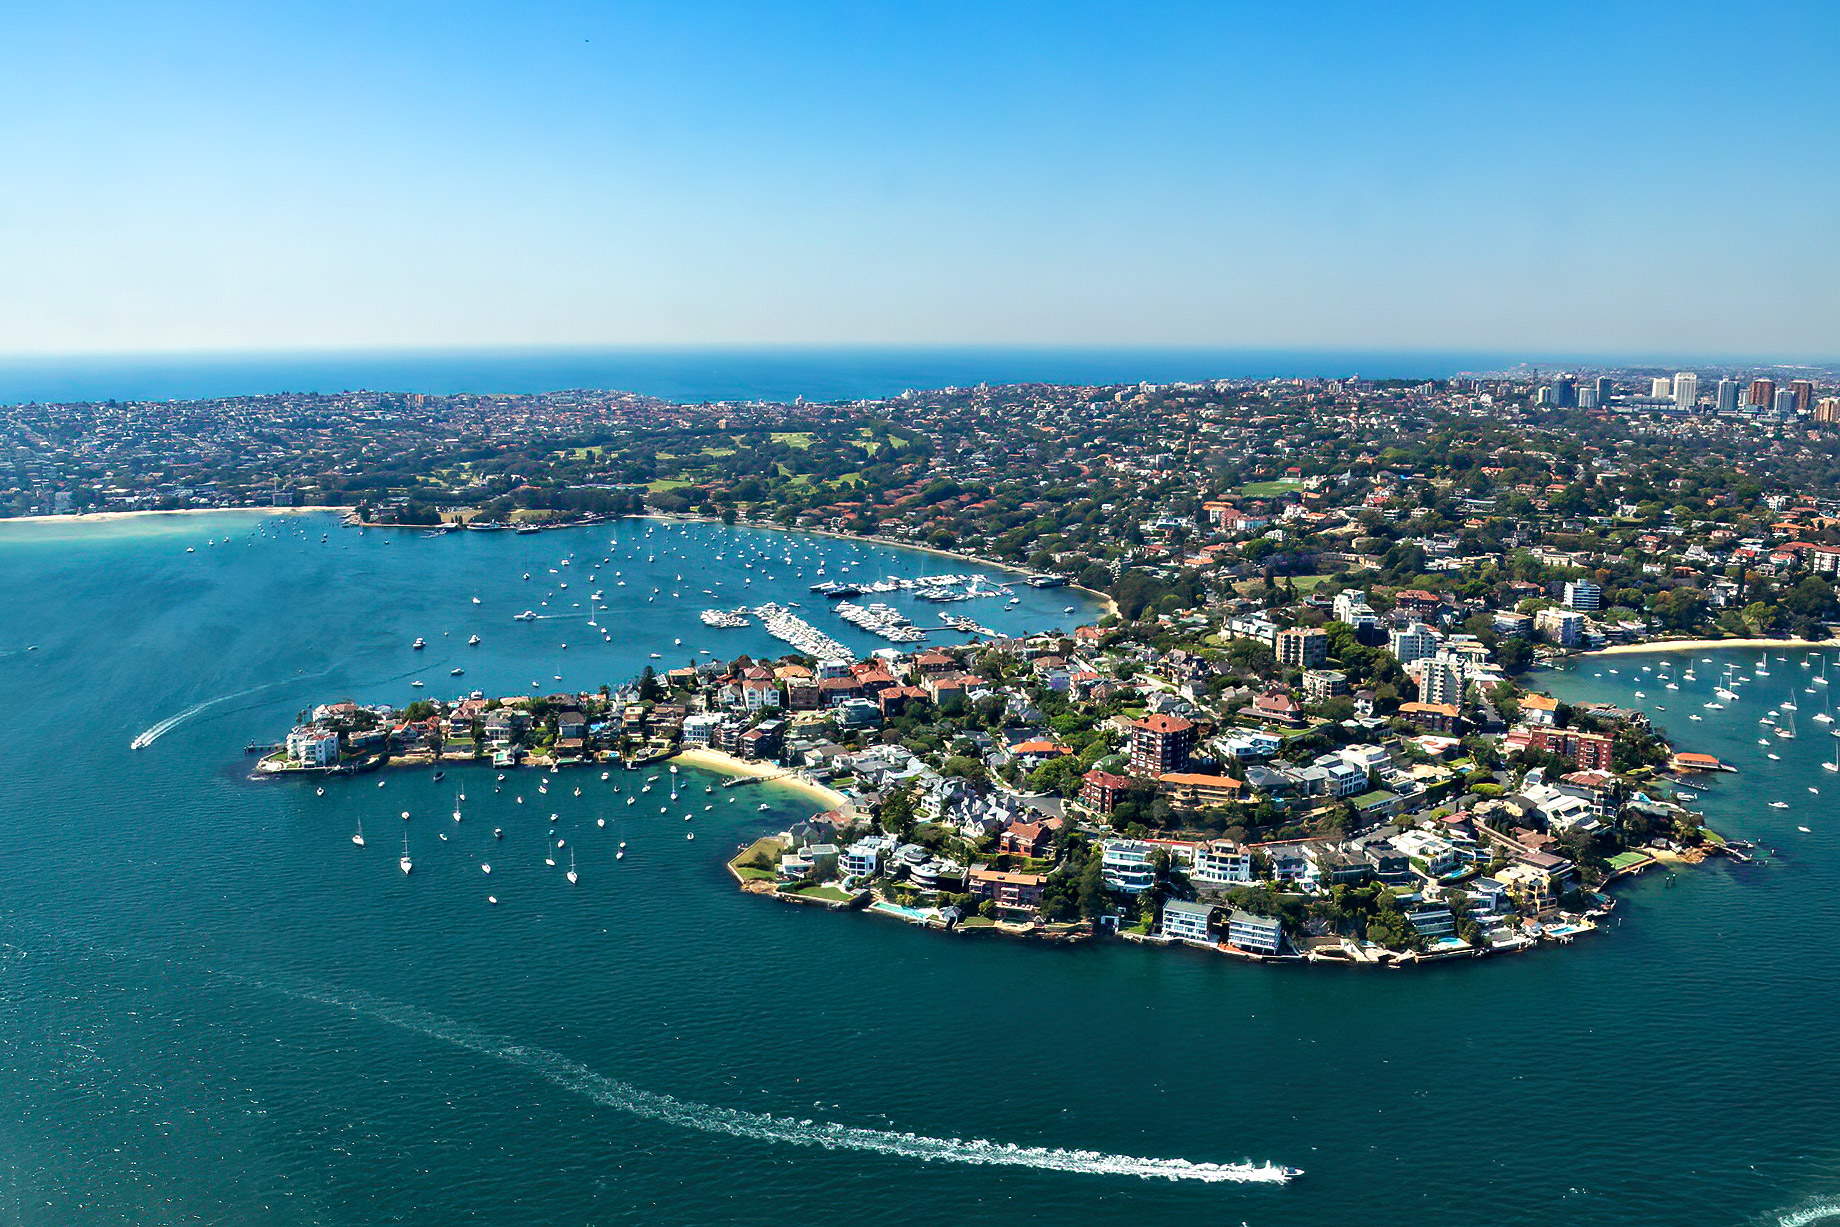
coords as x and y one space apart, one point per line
1092 885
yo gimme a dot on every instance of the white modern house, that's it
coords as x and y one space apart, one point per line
1186 922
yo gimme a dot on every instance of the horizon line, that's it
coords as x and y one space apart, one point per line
1517 357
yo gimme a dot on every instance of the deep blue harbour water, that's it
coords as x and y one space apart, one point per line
216 1009
692 374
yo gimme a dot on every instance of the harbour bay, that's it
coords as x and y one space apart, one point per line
219 1010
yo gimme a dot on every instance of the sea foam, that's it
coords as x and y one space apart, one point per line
759 1126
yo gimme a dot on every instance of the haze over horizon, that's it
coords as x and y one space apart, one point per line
1572 180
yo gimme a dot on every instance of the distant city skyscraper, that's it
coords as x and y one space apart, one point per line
1763 391
1785 402
1686 389
1804 394
1587 397
1565 392
1727 395
1603 389
1661 389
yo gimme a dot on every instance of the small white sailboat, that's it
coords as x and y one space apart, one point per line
359 837
572 877
405 864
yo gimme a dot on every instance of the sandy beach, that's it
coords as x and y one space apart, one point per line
1706 645
716 760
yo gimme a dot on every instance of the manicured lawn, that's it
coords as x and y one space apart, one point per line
793 438
755 875
828 893
1266 489
763 855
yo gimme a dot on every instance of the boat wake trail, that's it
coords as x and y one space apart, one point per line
1819 1212
759 1126
167 725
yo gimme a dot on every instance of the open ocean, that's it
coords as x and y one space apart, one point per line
216 1009
692 375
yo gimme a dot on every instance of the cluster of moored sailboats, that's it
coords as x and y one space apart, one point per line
1776 724
563 595
555 842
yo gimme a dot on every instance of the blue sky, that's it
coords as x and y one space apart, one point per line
1601 178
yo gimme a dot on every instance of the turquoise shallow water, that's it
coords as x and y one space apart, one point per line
216 1009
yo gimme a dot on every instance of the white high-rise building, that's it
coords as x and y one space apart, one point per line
1686 389
1661 389
1414 643
1583 594
1727 395
1440 678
